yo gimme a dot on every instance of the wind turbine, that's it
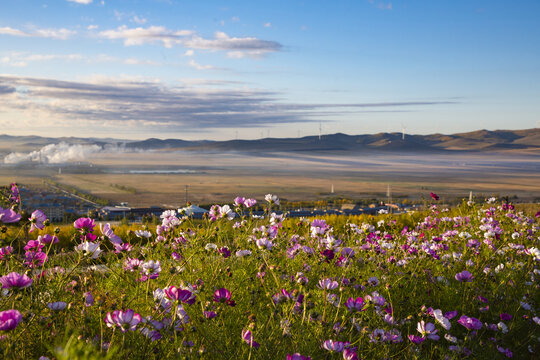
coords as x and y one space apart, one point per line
320 130
403 132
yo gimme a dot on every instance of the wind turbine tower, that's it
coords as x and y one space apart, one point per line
403 132
320 131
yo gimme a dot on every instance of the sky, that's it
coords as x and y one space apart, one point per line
135 69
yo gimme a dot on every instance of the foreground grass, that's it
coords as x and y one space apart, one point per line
377 287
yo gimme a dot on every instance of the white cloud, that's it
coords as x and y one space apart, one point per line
237 47
267 25
198 66
62 34
152 34
235 19
92 27
189 52
138 20
84 2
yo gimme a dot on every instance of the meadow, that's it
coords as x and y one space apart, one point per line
444 283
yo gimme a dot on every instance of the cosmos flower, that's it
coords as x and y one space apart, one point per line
125 320
464 276
180 295
223 296
354 304
272 199
328 284
470 322
107 231
9 319
56 306
89 249
15 280
333 346
297 356
248 338
427 330
84 224
48 239
37 220
434 196
5 252
8 216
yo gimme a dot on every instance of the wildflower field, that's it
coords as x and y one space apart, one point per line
440 284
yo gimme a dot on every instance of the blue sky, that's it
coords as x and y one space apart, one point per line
246 69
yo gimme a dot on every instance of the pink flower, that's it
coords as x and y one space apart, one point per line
8 216
9 319
84 224
249 203
434 196
248 339
35 259
180 295
15 280
355 304
37 220
5 251
239 201
125 320
48 239
34 245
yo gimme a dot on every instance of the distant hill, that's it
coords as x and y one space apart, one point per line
481 140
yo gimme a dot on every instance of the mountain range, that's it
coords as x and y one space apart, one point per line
482 140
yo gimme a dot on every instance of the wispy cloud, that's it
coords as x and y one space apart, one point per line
151 104
152 34
84 2
236 47
21 59
61 34
198 66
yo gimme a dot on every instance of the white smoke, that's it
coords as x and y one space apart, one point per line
54 154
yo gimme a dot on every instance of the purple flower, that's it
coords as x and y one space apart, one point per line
450 314
125 320
248 339
48 239
9 319
416 339
8 216
506 317
209 314
464 276
33 245
224 251
427 330
88 299
239 201
223 296
355 304
180 295
333 346
350 354
84 224
328 284
15 280
107 231
56 306
470 322
37 220
297 356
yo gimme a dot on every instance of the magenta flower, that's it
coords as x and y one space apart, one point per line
14 196
464 276
5 251
35 259
434 196
48 239
297 356
506 317
354 304
223 296
239 201
450 314
181 295
333 346
9 319
470 322
125 320
350 354
15 280
224 251
37 220
8 216
33 245
84 224
248 339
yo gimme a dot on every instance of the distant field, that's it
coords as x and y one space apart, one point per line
219 177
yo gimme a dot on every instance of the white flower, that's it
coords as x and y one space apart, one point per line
59 305
383 211
241 253
89 249
226 210
380 223
143 233
210 246
498 268
445 323
450 338
503 327
272 199
491 200
151 267
525 305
